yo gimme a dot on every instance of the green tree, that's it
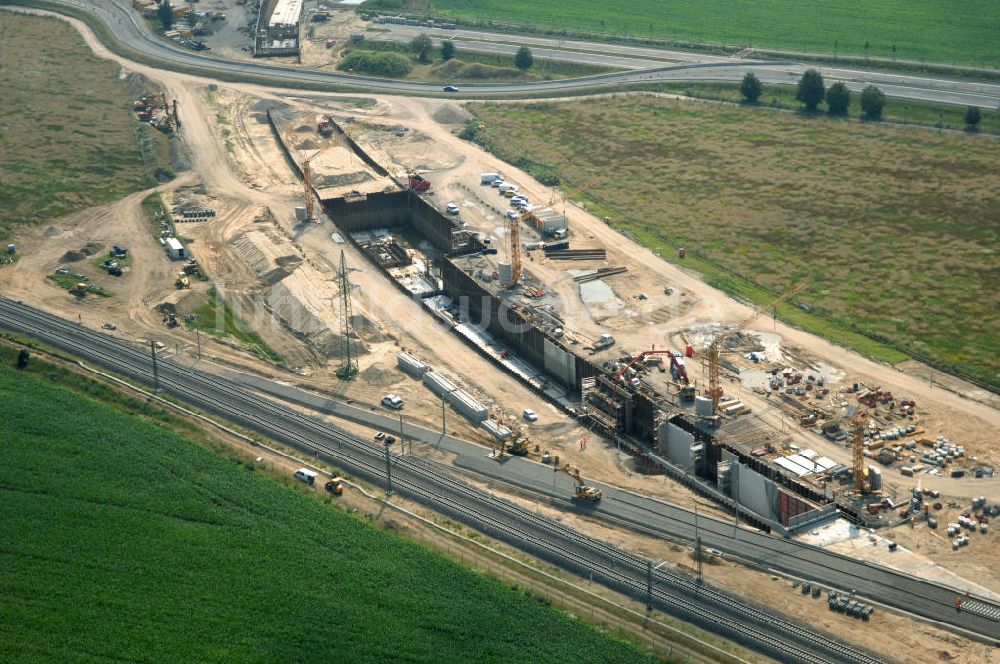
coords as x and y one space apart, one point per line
22 358
422 45
751 88
972 116
872 102
811 91
524 59
447 49
166 15
838 99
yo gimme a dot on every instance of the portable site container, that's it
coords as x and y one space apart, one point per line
411 365
438 384
468 407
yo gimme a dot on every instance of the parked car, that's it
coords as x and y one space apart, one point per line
392 401
512 214
379 436
109 326
529 415
452 208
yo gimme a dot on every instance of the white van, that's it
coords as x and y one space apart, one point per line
306 475
506 186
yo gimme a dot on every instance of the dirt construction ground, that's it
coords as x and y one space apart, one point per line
280 277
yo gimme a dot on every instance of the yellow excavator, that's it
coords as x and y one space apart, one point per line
582 491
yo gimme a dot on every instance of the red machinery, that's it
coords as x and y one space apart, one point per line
418 183
677 370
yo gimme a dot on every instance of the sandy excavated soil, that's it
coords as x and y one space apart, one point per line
238 166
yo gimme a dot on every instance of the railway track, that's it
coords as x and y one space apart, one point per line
746 623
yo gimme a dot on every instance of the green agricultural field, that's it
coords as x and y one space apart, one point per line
67 136
931 30
122 541
897 229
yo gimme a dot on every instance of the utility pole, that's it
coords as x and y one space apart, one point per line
697 543
443 421
197 334
388 471
156 369
350 366
401 438
650 567
649 585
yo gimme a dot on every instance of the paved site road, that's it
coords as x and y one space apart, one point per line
134 33
880 584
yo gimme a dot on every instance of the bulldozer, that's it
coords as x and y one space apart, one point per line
80 290
582 490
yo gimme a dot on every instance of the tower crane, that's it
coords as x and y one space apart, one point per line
577 190
583 491
715 348
858 452
514 236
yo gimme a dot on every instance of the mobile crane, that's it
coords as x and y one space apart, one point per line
677 370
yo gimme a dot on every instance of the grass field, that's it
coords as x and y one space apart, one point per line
216 317
68 139
896 229
468 66
124 541
919 29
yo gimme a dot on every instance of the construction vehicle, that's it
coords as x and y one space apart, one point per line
335 486
170 319
715 348
606 341
520 445
582 490
80 289
182 281
418 183
325 126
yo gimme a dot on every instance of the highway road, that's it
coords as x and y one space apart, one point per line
237 404
784 638
132 32
922 88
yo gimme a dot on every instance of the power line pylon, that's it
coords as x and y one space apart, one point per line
349 368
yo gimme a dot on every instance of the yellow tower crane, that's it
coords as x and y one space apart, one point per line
576 190
715 348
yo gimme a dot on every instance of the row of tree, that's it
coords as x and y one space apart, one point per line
811 91
422 45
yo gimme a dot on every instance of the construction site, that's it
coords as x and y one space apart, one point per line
378 255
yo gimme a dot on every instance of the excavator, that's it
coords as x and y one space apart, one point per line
582 491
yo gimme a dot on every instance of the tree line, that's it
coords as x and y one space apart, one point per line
812 91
